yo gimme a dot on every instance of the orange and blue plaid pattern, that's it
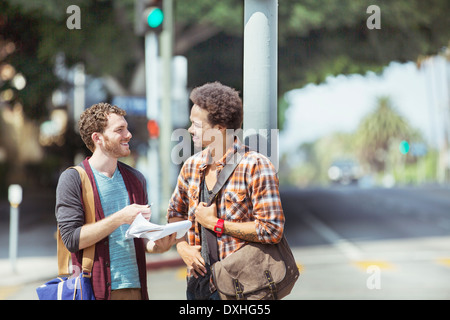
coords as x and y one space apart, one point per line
250 194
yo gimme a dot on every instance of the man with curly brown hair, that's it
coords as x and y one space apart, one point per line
119 269
248 207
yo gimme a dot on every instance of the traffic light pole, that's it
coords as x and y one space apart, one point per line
166 105
152 83
261 76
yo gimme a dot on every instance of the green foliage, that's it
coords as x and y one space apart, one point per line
321 38
38 28
317 38
227 15
104 43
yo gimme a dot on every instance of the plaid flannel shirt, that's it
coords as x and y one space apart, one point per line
250 194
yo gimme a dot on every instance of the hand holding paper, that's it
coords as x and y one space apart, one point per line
142 228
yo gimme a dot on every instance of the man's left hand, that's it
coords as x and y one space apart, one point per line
206 216
161 245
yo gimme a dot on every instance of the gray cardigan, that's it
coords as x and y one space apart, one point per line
69 208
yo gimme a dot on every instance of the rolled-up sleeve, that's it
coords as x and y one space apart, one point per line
69 209
179 202
267 208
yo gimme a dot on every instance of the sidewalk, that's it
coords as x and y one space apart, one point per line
44 268
36 249
28 269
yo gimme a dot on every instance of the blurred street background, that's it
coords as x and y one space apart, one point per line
363 113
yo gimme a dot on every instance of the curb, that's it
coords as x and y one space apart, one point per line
167 263
168 259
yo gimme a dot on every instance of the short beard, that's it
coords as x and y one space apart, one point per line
114 149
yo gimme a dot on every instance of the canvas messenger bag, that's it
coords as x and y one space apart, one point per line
256 271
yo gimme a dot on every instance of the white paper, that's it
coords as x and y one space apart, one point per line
142 228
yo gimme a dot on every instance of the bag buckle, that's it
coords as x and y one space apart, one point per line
238 289
272 285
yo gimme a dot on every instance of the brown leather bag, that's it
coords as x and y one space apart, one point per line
256 272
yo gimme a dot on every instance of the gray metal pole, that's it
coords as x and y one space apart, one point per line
261 76
166 104
15 198
13 236
152 97
79 81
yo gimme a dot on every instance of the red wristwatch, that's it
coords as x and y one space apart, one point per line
218 228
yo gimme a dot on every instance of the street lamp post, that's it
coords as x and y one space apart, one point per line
15 198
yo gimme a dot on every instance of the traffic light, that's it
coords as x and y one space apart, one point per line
153 129
404 147
149 16
155 17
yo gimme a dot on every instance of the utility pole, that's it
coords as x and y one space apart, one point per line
148 22
152 100
166 104
261 76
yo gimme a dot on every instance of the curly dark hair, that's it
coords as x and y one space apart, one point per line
95 119
222 102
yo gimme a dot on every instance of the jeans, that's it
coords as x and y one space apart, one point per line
213 296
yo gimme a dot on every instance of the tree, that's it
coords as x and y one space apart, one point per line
378 132
321 38
316 38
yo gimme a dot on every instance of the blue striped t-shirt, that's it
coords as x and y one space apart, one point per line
114 197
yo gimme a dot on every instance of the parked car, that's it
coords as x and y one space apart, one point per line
344 172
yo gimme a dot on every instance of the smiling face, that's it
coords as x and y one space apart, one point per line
114 140
200 128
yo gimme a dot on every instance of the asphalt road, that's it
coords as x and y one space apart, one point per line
349 243
358 214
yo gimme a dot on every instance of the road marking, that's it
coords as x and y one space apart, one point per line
6 292
364 265
444 261
181 273
351 251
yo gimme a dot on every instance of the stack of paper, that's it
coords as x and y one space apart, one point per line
142 228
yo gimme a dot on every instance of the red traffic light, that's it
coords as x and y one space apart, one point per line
153 129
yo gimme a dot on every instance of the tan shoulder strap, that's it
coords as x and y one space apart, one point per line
89 212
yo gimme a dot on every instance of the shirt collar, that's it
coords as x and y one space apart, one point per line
206 155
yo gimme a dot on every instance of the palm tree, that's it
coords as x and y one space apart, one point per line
378 131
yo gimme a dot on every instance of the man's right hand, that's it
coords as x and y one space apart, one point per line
94 232
129 213
192 258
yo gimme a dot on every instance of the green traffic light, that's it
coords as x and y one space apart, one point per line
404 147
155 18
